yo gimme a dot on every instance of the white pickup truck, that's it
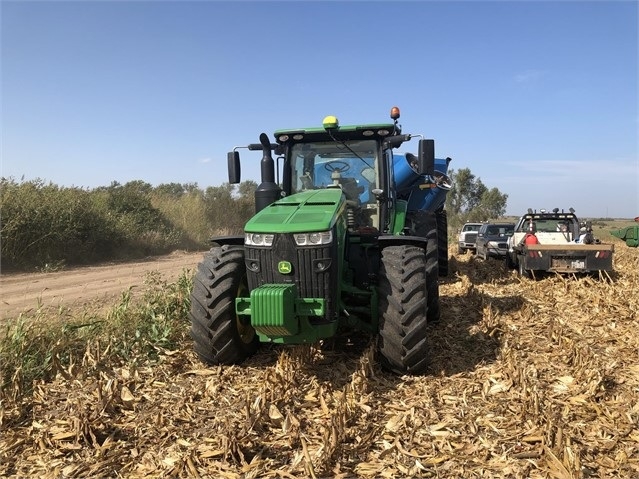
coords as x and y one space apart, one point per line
468 238
556 242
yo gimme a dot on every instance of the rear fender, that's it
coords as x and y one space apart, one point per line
399 240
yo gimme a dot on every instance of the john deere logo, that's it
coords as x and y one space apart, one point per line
284 267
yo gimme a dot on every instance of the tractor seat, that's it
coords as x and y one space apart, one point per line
350 189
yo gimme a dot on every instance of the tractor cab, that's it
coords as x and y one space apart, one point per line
356 159
352 167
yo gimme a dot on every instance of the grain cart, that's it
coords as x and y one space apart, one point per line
346 237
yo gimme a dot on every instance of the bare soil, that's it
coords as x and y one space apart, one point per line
87 287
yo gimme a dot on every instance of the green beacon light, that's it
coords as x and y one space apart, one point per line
330 123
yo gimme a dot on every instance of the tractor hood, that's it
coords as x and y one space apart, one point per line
314 210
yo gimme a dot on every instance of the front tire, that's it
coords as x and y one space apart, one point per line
219 335
402 302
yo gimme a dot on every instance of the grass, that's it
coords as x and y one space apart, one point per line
36 347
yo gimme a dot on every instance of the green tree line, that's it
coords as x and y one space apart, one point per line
45 226
470 200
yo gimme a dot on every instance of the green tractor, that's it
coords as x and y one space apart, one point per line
350 236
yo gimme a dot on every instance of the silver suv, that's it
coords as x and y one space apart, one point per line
468 237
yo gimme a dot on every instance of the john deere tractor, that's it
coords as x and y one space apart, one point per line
351 235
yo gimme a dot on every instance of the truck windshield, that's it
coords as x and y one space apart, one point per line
548 224
353 167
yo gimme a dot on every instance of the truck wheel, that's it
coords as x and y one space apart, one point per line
219 335
442 242
402 304
461 250
509 262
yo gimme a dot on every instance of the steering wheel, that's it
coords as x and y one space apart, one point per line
337 165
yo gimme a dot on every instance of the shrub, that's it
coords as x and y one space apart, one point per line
46 226
43 223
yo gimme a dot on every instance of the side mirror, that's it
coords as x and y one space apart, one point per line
379 194
234 167
426 157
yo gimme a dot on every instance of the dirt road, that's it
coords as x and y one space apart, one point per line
84 287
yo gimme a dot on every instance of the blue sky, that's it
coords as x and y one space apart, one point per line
537 98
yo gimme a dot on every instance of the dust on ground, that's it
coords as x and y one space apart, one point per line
92 287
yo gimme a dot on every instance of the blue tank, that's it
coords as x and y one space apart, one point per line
423 192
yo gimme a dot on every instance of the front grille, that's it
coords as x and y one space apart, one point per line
471 237
310 281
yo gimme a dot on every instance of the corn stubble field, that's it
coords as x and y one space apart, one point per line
529 379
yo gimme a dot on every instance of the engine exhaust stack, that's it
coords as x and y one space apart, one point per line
267 192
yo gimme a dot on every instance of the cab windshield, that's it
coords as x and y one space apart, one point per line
352 165
500 230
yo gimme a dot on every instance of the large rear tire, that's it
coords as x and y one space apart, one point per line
432 267
220 336
442 242
425 225
402 301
